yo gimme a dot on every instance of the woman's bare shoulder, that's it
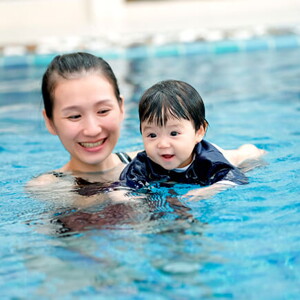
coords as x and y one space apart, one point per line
42 180
133 154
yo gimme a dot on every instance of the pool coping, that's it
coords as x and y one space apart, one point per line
267 42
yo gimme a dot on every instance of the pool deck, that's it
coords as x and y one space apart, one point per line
155 23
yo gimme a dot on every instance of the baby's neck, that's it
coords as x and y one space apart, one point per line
183 169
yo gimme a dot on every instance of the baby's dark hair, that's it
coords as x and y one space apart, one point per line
172 99
70 66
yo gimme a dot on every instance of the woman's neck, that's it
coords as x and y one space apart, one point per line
75 166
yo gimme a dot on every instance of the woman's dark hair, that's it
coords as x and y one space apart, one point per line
69 66
172 99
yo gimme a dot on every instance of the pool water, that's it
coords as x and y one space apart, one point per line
242 243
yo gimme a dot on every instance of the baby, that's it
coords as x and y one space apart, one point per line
173 125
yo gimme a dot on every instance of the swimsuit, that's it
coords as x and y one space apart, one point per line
209 166
124 157
86 188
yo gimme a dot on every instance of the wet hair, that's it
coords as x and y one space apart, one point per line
172 99
70 66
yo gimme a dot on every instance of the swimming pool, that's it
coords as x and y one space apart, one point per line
241 244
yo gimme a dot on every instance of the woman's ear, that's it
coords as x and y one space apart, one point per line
49 124
121 104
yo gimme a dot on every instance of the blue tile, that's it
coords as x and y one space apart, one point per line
256 44
137 52
43 59
166 50
287 42
197 48
176 49
225 47
16 61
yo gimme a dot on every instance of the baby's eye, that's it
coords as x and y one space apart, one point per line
151 135
174 133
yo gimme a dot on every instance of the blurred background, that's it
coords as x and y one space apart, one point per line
47 26
243 56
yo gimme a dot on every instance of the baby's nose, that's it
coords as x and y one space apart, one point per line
163 143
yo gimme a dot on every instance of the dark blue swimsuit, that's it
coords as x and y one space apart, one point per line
208 167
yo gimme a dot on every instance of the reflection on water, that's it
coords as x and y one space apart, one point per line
94 241
108 242
111 205
130 214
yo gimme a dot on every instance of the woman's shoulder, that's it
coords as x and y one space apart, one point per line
133 154
44 179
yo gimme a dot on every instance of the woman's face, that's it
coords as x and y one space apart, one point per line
87 118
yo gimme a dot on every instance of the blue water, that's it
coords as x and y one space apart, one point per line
243 243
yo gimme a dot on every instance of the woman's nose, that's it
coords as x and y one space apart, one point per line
92 127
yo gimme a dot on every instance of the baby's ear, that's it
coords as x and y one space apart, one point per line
200 133
49 124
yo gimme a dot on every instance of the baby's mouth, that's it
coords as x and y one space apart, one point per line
167 156
92 145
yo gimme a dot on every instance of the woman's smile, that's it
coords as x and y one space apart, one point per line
92 144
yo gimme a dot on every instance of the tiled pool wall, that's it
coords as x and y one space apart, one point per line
31 57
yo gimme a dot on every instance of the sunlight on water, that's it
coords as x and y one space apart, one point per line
242 243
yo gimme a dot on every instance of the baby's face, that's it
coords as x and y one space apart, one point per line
171 146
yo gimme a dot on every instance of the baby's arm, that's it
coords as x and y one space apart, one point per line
235 156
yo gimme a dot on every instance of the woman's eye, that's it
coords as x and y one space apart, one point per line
103 111
74 117
174 133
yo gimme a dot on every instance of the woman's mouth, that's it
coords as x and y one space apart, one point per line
92 144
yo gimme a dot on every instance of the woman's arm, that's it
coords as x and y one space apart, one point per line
206 192
245 152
